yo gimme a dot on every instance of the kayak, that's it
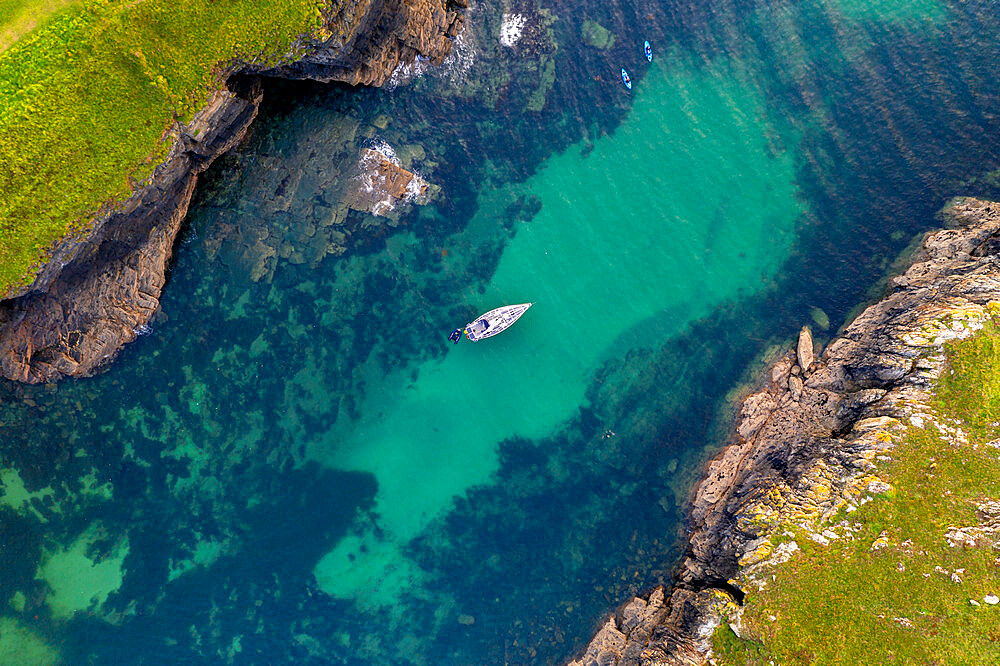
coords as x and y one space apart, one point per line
626 80
648 50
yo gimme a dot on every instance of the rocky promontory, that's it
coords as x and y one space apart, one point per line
803 445
99 288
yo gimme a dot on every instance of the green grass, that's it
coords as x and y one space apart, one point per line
18 17
837 604
87 99
970 389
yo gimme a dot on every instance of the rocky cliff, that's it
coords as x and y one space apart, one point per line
803 445
100 288
385 33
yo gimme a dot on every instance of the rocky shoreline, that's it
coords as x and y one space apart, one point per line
99 289
803 445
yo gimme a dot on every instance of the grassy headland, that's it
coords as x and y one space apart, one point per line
89 92
19 17
903 587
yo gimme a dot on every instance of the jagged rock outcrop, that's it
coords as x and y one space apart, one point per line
803 444
380 183
390 32
99 288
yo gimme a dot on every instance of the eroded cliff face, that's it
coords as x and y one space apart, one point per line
100 288
98 292
389 32
803 445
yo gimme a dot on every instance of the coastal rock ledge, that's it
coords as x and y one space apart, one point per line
803 445
99 289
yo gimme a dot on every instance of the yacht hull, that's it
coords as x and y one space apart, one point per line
495 321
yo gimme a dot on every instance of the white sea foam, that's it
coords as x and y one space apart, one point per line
383 148
454 67
369 175
415 188
461 58
511 29
407 71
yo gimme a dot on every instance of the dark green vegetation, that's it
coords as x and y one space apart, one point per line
88 98
911 601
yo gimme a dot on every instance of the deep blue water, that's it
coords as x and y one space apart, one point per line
255 480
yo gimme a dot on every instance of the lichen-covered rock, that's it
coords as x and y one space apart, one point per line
803 449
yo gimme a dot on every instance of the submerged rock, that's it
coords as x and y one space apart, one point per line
596 35
20 644
547 77
821 318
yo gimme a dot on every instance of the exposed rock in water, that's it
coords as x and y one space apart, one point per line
380 183
800 461
623 641
99 290
804 350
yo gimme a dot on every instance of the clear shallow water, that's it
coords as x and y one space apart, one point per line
294 465
619 255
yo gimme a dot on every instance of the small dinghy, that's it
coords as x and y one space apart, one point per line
491 323
648 50
626 79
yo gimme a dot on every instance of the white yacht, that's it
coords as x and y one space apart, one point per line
495 321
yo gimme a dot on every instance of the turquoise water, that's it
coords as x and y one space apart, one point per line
618 255
293 465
